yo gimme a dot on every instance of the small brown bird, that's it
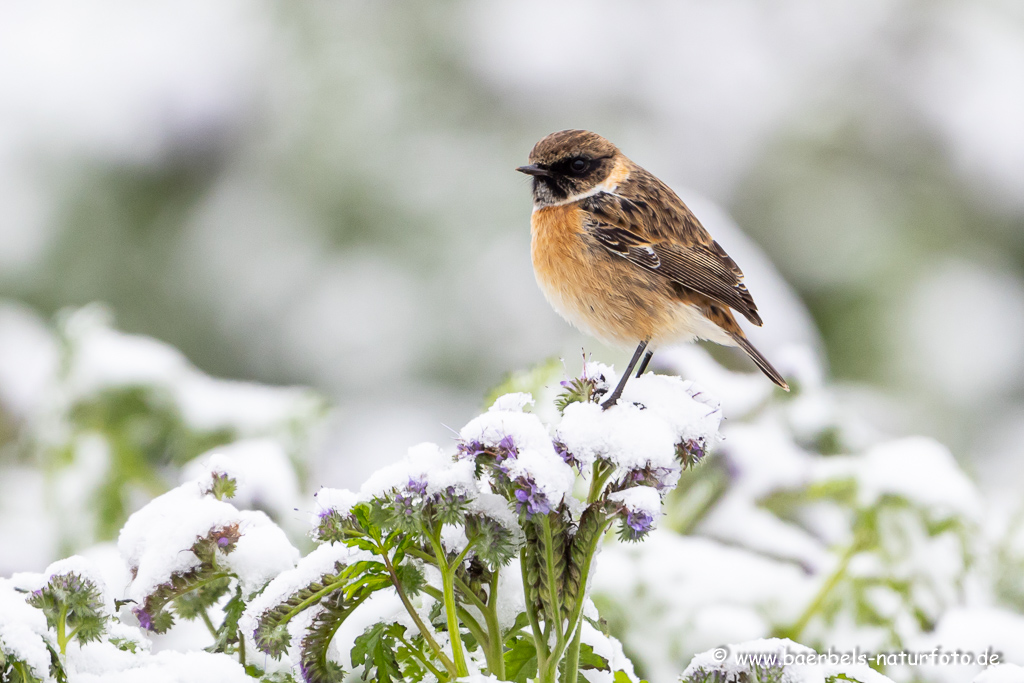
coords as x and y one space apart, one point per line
619 255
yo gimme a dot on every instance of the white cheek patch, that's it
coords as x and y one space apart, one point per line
608 186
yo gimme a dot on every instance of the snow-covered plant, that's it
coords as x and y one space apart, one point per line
122 414
441 533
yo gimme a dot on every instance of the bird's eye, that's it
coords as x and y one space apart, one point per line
579 165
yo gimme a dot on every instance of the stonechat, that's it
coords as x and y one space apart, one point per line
619 255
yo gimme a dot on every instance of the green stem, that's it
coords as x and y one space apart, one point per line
539 640
598 478
423 660
62 641
433 644
448 585
495 652
209 624
464 616
466 590
575 616
794 631
572 657
549 560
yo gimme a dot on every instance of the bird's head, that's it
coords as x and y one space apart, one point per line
570 164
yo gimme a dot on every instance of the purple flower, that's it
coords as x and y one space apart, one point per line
507 448
417 485
530 497
564 454
223 541
639 523
145 620
470 449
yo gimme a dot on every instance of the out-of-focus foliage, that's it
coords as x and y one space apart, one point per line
323 192
118 418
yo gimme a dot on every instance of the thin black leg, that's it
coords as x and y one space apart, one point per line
614 398
644 363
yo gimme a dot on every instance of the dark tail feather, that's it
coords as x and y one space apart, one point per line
759 360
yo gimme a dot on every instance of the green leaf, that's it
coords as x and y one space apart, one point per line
589 660
375 651
521 661
228 635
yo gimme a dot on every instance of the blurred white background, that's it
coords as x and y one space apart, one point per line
322 193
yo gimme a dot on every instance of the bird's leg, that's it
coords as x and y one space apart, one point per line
644 363
613 399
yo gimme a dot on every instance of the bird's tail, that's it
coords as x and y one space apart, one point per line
758 359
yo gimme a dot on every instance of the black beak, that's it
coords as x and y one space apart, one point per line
534 170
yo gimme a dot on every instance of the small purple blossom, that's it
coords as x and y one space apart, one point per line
690 452
506 448
417 485
471 449
223 541
144 617
639 521
531 498
569 458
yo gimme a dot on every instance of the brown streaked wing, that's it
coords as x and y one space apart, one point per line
660 234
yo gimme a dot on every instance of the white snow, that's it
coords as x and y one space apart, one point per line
156 540
918 469
426 463
264 475
514 402
1001 673
642 499
526 429
23 630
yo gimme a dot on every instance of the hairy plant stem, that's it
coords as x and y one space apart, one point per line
209 624
448 584
598 478
62 640
424 631
539 640
464 616
495 651
572 658
423 660
554 620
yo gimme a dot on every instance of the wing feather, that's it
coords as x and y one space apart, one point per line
669 241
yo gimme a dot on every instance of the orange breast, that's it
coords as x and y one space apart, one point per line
602 294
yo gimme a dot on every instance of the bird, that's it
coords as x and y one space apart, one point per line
621 257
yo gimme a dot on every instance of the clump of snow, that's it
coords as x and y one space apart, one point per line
919 469
23 632
264 475
84 569
169 666
155 541
625 435
611 649
29 360
1001 673
103 358
516 402
682 594
525 429
497 508
339 500
428 465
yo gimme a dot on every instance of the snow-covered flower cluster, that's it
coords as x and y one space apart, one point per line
449 564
